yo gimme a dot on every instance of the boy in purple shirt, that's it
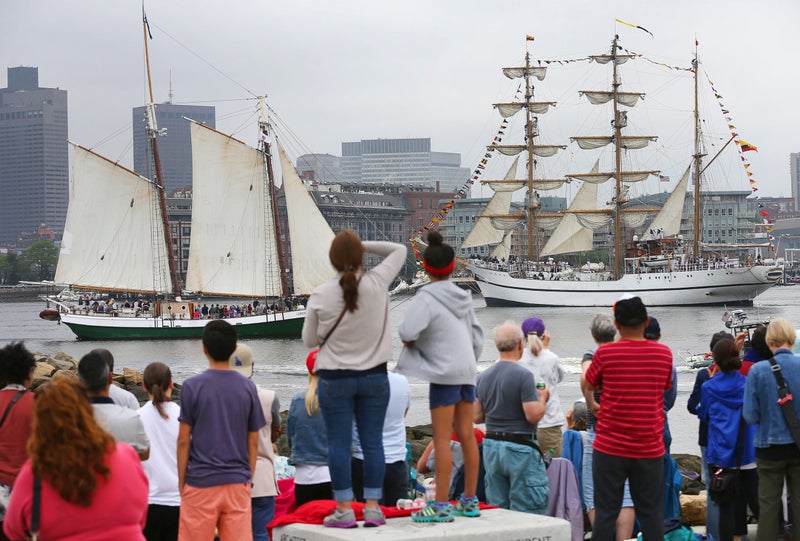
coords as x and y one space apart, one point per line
217 443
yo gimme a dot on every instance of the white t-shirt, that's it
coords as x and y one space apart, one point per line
162 466
546 367
394 426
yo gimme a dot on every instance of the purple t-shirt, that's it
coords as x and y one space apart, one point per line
221 406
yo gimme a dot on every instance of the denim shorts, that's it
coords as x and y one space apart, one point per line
447 395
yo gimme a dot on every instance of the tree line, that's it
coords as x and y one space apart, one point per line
36 263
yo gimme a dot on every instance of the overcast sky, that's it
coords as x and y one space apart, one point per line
347 70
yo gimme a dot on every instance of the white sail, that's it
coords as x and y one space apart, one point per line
549 184
545 151
634 220
483 232
569 235
310 234
516 73
606 58
503 249
593 220
669 217
547 223
232 250
629 142
598 97
592 178
113 237
507 223
508 110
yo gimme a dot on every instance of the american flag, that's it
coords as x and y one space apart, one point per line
663 178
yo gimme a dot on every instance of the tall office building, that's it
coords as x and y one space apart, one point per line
34 159
794 166
401 161
174 148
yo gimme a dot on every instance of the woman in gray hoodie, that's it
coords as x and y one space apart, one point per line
443 340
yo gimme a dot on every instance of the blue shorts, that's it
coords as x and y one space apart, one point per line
447 395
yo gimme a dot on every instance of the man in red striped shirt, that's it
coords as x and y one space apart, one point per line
633 374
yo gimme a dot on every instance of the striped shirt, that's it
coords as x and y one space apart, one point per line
633 375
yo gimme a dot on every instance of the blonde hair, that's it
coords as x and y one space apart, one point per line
535 344
312 401
780 332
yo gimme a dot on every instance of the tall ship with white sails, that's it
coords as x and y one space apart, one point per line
236 247
661 267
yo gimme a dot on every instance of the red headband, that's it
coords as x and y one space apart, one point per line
444 271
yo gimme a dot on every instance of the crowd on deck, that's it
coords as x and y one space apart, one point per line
82 460
142 307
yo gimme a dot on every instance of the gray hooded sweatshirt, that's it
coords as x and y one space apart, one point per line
447 337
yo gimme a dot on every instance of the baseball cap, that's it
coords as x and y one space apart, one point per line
242 360
533 325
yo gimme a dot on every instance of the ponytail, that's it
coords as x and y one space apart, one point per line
535 344
157 380
312 401
349 284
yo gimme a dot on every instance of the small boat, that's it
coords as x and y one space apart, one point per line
696 360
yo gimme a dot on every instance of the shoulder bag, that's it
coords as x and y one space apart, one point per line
37 508
786 402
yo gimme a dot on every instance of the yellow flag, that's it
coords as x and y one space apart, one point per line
620 21
528 37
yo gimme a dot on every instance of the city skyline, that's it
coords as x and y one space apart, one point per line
433 76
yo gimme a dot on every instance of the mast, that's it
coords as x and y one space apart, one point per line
696 240
152 134
264 126
618 122
529 134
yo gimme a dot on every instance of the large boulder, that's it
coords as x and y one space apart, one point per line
62 361
693 509
43 370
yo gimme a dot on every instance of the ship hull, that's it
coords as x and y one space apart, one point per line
730 286
106 327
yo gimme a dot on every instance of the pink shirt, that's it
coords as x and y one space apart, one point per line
118 510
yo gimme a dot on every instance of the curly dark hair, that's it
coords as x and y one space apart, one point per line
67 447
16 364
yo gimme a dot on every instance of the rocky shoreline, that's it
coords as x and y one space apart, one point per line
61 365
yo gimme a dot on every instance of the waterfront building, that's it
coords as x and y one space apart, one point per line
401 161
179 214
174 147
323 167
777 208
34 157
424 202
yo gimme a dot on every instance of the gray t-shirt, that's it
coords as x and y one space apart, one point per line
122 423
502 389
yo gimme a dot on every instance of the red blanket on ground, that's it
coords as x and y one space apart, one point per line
314 513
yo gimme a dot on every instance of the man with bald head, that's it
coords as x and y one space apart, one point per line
511 406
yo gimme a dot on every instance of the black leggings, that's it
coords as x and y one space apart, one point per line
308 493
733 515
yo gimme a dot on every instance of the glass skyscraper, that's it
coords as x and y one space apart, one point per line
34 158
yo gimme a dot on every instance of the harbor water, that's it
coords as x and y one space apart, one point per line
280 363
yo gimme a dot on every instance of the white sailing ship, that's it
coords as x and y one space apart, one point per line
663 269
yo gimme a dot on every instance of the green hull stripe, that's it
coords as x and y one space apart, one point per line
290 328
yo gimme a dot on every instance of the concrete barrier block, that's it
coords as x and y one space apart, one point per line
492 525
